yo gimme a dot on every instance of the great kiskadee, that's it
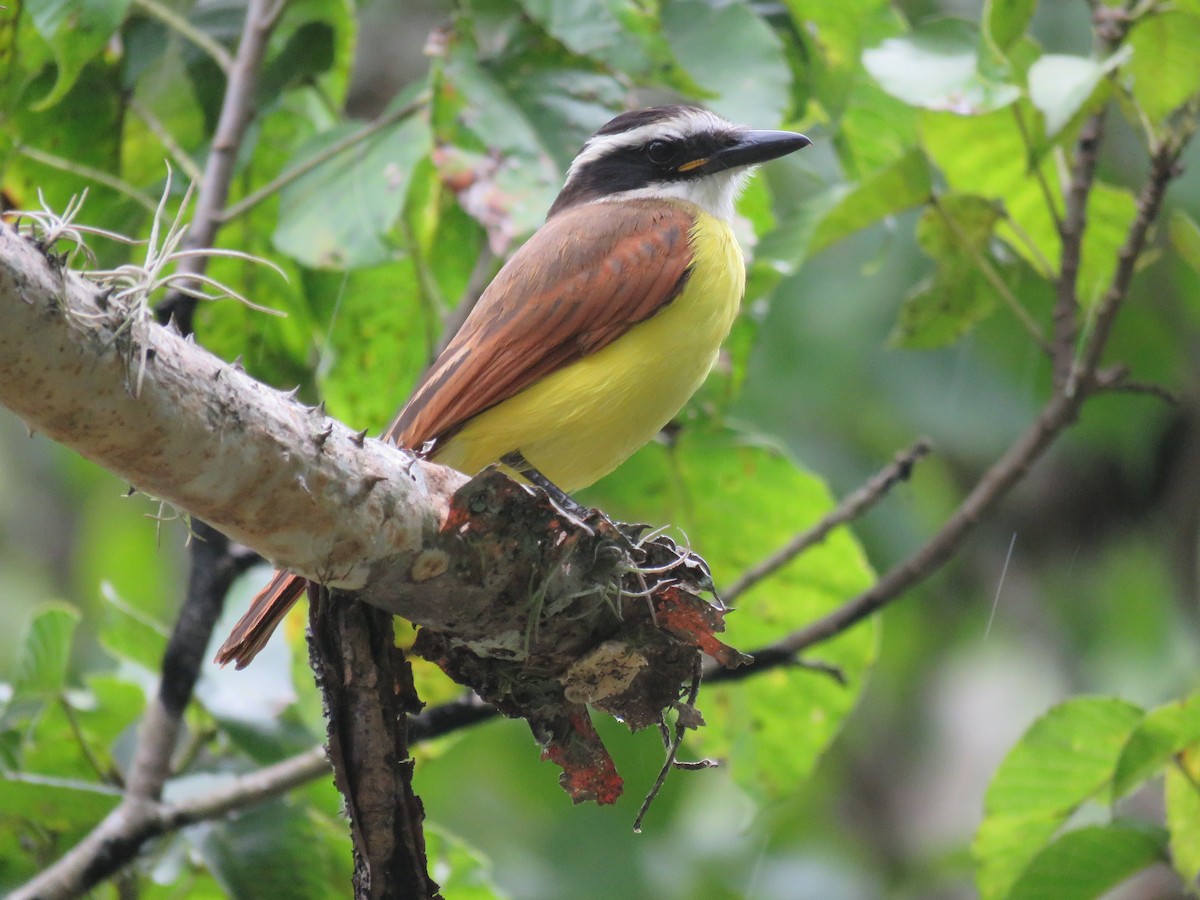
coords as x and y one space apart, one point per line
599 328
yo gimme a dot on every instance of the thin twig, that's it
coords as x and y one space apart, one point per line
1071 232
853 506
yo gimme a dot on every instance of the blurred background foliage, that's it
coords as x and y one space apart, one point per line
417 143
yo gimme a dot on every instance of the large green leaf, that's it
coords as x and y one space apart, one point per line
900 186
1163 69
936 67
738 501
279 849
1063 87
339 214
955 233
593 28
1066 757
1087 862
734 55
1005 21
45 652
988 155
379 339
76 31
1163 733
1183 814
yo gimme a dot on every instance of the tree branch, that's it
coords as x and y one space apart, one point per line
516 598
1060 411
236 114
203 435
1071 232
851 507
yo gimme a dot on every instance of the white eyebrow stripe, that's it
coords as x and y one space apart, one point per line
682 125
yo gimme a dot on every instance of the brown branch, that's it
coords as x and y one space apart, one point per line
851 507
1071 233
237 111
1060 411
366 685
117 839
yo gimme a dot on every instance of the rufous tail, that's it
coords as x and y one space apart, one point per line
267 610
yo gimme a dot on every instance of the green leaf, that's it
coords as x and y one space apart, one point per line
900 186
1163 69
591 28
988 156
461 870
278 849
1062 86
737 502
1087 862
45 652
1183 814
1005 21
379 339
291 64
1185 237
936 67
875 130
129 633
516 194
954 232
1066 757
736 56
76 31
339 214
1162 734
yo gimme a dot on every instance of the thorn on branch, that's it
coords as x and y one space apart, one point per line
370 481
322 436
238 364
290 395
359 439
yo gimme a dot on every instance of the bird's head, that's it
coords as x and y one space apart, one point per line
681 152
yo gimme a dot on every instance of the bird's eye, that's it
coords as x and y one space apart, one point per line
660 152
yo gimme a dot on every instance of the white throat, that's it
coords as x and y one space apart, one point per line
716 194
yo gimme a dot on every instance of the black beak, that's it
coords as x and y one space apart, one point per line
754 147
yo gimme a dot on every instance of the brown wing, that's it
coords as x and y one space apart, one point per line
583 280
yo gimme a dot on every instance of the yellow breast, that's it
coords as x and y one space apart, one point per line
581 422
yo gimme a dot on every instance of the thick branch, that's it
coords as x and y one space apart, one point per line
290 483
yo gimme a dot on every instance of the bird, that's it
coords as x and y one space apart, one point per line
598 330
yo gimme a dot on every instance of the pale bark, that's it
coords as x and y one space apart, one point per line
294 485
